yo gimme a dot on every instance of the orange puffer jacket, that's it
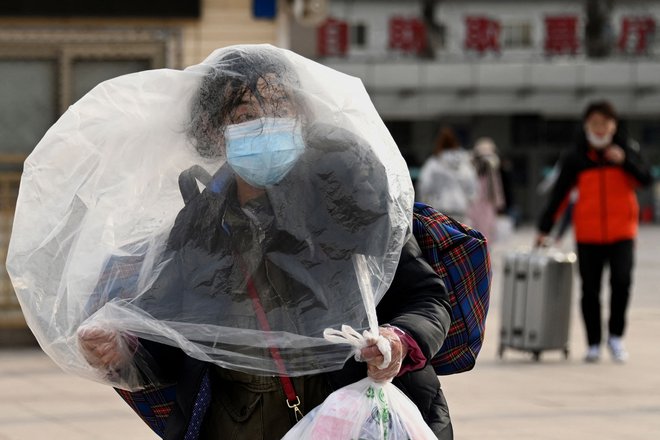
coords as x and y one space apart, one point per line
606 210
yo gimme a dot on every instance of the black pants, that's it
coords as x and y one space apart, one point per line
592 259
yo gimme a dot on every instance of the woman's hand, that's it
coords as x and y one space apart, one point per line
374 358
104 348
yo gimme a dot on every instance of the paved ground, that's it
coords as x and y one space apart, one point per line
513 398
517 398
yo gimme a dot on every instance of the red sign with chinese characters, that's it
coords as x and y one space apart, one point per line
561 35
482 34
407 34
635 34
332 38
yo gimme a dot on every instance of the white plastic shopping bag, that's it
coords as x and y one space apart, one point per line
363 410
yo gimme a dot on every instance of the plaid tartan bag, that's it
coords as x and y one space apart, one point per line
459 255
153 405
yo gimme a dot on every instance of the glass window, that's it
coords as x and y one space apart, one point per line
441 35
562 132
517 35
359 35
526 130
28 103
89 73
651 134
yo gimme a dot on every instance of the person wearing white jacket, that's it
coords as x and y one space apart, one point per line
448 180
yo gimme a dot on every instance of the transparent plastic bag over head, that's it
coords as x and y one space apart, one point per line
165 205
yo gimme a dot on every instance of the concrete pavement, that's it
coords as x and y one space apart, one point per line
517 398
513 398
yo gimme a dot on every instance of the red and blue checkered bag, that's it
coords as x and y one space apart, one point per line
459 254
153 405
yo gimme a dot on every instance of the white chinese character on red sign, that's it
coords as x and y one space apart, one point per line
482 34
407 34
636 33
561 35
332 38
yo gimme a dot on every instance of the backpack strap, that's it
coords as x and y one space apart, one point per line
188 182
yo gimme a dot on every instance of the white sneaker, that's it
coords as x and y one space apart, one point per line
619 353
593 354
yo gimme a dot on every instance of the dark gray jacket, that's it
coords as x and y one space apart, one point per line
416 302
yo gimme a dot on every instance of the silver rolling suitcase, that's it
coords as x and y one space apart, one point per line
536 301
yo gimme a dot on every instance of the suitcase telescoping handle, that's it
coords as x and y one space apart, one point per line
553 237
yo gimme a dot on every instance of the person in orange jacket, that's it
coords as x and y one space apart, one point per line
606 169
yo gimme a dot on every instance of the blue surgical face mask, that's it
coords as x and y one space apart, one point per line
264 150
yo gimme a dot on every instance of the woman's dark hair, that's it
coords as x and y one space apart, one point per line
603 107
236 72
446 140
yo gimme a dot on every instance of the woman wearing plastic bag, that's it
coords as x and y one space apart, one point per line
272 233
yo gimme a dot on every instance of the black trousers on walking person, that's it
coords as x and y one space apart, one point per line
592 259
